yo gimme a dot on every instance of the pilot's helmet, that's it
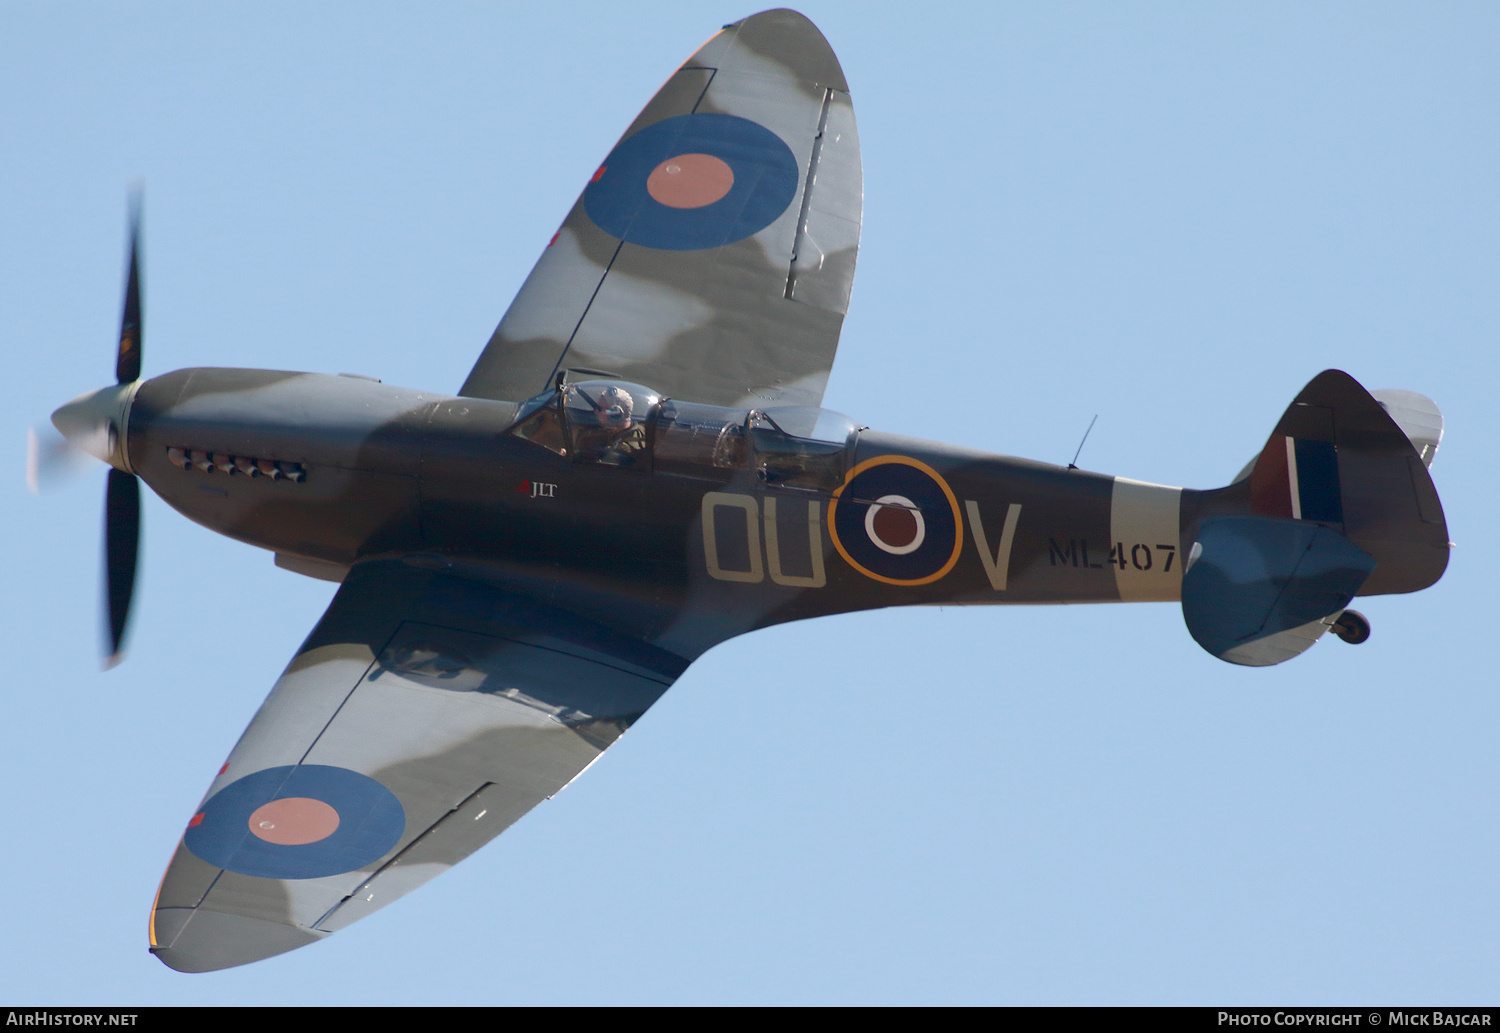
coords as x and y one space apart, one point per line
615 407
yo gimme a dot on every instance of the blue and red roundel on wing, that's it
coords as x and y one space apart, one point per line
693 182
297 822
896 520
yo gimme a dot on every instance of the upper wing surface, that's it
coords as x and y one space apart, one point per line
425 713
712 254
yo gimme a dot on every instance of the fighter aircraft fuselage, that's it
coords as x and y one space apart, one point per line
334 469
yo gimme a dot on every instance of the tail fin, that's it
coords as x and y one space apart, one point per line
1338 503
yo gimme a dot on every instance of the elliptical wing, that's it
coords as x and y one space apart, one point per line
427 712
712 254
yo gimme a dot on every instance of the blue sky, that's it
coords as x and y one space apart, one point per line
1171 215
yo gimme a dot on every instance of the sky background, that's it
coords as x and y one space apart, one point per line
1169 214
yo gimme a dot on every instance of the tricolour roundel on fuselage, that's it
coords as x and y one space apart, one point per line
896 520
693 182
301 821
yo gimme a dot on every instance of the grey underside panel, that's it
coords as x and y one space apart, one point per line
754 322
470 703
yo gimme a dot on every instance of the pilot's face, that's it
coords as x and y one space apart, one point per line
612 414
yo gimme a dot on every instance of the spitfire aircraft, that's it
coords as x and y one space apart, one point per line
637 469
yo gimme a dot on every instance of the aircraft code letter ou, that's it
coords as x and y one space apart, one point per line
748 509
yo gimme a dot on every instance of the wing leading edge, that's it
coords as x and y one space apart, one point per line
712 254
426 713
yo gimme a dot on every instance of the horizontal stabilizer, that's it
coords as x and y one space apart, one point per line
1418 417
1260 590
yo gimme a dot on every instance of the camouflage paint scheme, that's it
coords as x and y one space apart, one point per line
710 325
512 599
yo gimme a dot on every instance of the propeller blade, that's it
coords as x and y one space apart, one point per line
50 458
122 539
128 363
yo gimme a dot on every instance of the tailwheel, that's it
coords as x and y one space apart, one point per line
1352 626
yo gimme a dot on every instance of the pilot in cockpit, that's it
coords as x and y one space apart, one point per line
617 437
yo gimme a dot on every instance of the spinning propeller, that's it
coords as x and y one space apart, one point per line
98 423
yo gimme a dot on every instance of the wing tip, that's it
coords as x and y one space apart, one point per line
788 36
201 940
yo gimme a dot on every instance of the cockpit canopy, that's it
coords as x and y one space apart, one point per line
801 447
593 421
617 423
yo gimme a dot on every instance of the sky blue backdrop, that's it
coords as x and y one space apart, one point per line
1169 214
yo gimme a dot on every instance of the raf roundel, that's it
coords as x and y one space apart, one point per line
297 822
693 182
896 520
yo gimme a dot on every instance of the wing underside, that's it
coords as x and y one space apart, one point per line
712 254
426 713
